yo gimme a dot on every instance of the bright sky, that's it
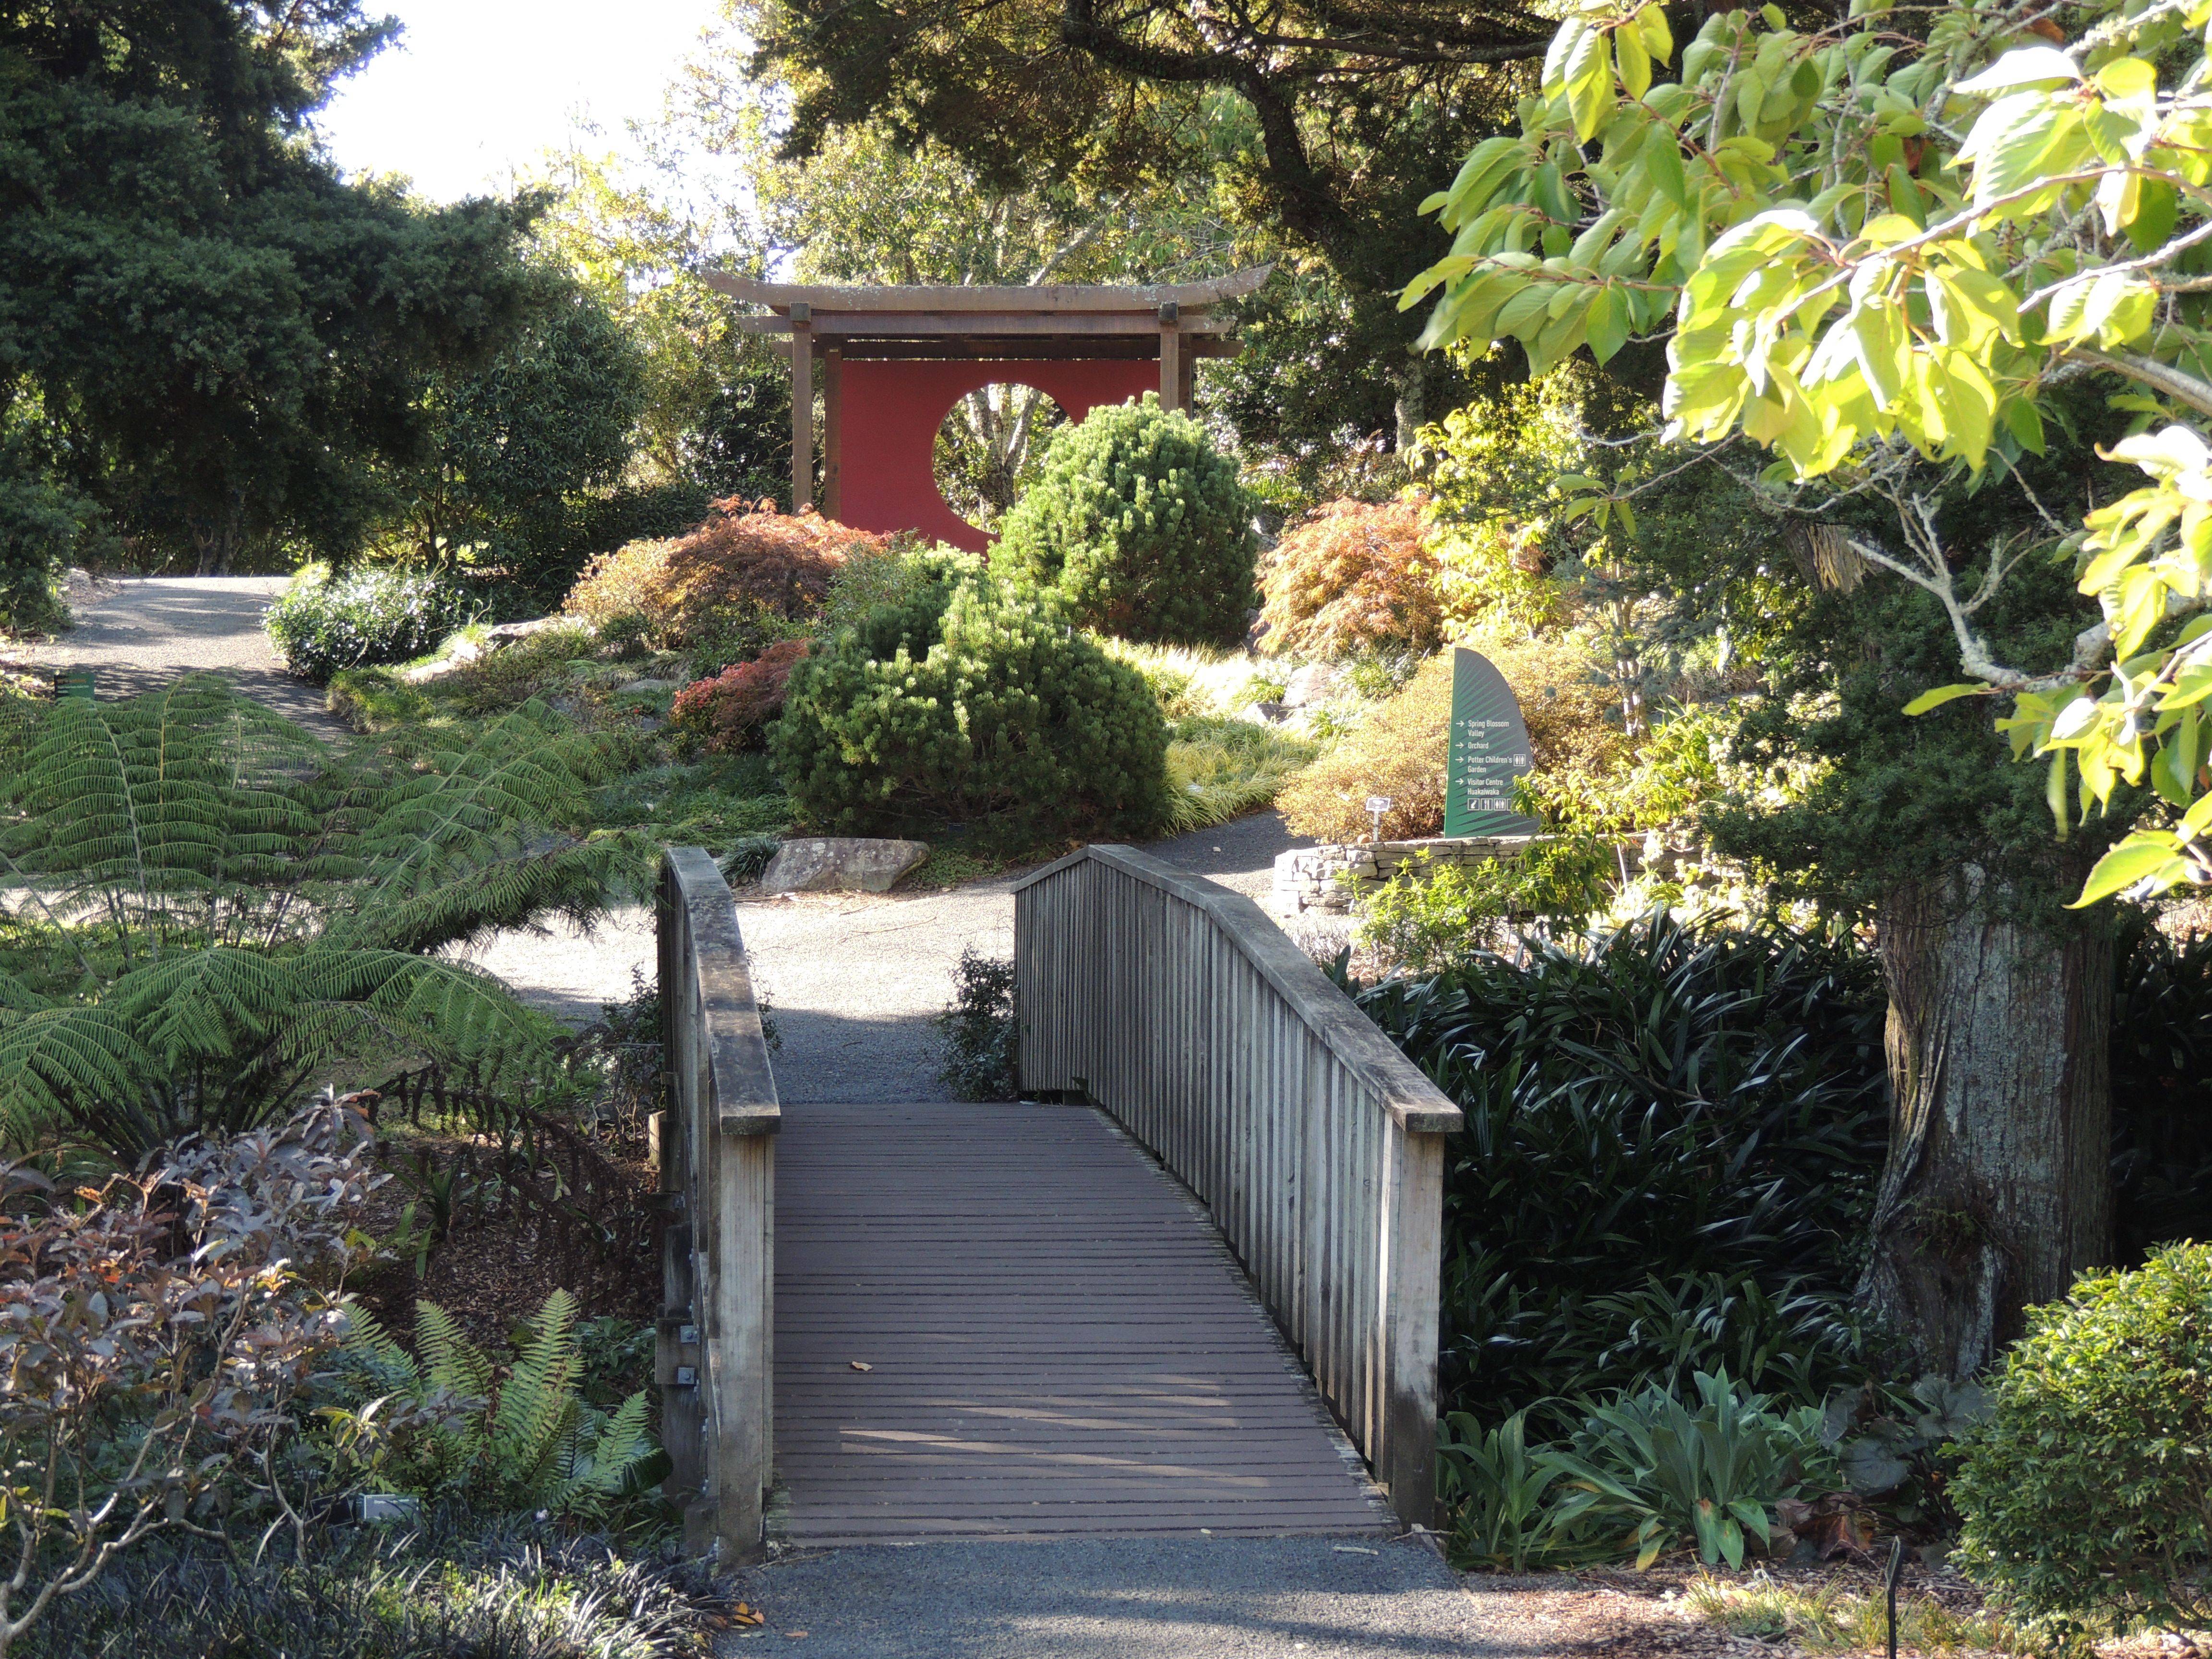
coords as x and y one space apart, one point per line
476 90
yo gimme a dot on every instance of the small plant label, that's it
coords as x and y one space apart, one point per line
1489 750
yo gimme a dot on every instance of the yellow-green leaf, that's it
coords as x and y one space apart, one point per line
1943 694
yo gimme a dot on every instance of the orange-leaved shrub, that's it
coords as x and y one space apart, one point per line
726 715
1353 577
746 576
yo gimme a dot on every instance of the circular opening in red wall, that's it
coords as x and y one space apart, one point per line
990 446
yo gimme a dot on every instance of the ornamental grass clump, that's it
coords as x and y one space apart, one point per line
976 705
2086 1494
1141 527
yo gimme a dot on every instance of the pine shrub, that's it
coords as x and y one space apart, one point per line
1353 577
726 715
367 616
2086 1494
747 578
970 703
1140 526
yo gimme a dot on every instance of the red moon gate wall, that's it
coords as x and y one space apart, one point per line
891 410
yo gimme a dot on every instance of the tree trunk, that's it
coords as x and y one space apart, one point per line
1997 1189
1410 411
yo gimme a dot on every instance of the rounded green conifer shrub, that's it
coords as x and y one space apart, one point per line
2087 1495
974 705
1141 527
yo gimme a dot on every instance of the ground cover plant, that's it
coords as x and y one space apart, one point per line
1139 526
456 1584
211 910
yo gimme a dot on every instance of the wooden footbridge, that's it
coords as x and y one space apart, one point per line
1197 1292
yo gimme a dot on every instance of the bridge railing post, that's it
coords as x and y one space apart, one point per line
1184 1013
715 1357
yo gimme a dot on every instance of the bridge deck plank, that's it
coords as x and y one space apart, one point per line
1060 1342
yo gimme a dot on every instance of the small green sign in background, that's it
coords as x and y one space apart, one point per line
1489 750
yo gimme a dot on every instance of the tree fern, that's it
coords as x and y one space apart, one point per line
209 908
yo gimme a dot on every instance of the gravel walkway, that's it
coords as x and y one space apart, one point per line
1128 1598
851 979
149 629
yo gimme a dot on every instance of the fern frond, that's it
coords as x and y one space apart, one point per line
375 1352
205 1005
625 1441
537 1413
252 907
62 1065
449 1359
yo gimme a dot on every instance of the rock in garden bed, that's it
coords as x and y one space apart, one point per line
840 863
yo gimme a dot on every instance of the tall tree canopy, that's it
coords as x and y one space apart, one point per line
208 339
1318 127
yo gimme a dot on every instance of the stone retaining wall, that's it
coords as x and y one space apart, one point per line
1325 878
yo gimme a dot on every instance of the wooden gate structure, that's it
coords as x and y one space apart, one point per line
1181 1012
904 355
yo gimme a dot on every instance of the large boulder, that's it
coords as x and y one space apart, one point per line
840 863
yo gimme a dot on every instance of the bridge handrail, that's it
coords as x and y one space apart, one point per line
1182 1011
715 1358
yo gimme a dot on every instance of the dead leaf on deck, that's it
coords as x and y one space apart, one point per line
862 1365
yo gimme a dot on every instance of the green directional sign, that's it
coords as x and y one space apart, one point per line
1489 750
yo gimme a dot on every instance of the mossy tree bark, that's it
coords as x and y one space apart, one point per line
1997 1189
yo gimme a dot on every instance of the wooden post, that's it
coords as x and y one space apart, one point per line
1186 395
802 406
1170 355
715 1359
1412 1245
833 427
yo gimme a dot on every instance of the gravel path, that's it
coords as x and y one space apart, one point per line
851 979
1128 1598
147 630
